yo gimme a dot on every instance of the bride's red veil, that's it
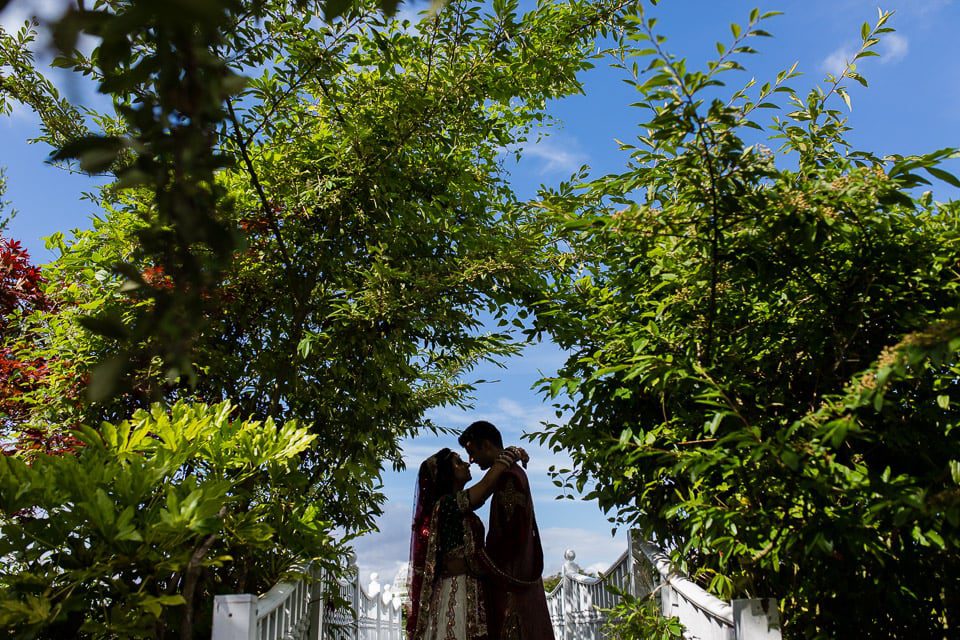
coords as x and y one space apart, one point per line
424 500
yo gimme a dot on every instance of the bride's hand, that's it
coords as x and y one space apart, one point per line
508 457
521 454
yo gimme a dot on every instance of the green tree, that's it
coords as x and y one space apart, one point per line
377 227
764 348
317 243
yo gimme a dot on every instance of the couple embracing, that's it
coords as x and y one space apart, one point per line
462 586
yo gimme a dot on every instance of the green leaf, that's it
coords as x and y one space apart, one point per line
846 98
333 9
947 177
95 153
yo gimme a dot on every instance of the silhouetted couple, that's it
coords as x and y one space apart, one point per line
462 587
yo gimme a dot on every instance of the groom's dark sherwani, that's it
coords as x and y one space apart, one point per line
516 603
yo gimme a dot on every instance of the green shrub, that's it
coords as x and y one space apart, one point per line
124 538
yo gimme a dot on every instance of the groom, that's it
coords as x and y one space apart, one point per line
516 602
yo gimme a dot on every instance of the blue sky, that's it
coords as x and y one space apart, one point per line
911 106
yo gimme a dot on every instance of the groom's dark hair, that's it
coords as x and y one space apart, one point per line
481 431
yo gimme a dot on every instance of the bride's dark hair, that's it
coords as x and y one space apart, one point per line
443 479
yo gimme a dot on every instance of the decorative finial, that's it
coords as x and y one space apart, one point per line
570 568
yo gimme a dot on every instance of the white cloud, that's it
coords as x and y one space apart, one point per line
386 551
836 62
893 47
527 417
555 156
594 551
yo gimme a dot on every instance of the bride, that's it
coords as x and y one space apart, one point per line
446 548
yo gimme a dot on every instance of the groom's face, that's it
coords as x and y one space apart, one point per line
480 453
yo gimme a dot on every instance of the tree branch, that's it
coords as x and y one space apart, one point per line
192 574
255 180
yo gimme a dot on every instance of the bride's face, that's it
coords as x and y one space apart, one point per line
461 470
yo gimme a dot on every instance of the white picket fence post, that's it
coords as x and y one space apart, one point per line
235 617
756 619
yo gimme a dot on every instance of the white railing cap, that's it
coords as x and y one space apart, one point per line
269 601
691 592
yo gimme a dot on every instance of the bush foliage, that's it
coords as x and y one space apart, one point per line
116 539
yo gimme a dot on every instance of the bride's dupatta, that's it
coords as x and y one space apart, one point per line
423 546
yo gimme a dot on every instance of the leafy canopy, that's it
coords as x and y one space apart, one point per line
764 347
306 218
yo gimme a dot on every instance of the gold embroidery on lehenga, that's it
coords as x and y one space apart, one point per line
476 613
452 609
429 572
429 618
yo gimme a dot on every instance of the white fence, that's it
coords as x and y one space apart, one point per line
306 609
704 616
577 602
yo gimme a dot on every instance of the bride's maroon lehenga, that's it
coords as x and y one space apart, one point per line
443 606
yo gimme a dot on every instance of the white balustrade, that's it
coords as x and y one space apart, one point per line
382 617
319 607
289 611
703 615
314 608
577 604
